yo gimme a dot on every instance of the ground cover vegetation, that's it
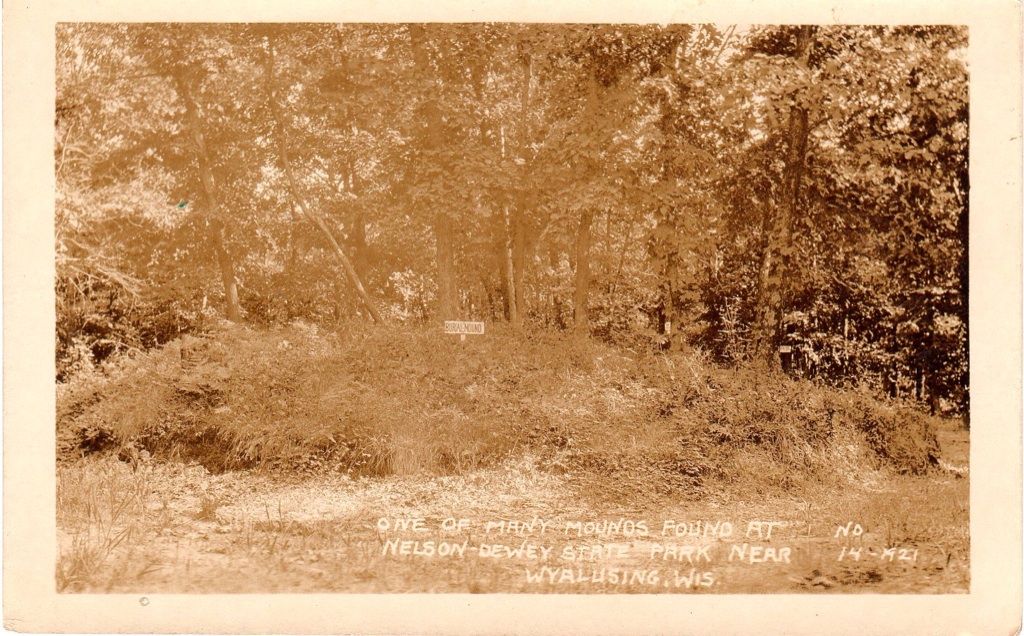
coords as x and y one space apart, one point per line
716 265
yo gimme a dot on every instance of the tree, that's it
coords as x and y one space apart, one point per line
282 145
778 248
430 140
214 220
732 189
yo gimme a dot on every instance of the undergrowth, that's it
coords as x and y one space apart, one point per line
404 400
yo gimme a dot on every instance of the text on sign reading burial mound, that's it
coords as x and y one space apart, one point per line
463 327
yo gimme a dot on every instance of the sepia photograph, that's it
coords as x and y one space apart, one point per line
512 317
498 307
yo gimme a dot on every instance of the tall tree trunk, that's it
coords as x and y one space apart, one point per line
511 272
502 261
665 250
214 218
778 242
227 272
964 234
357 233
582 252
299 199
670 304
517 256
507 246
500 218
580 322
447 290
519 211
360 252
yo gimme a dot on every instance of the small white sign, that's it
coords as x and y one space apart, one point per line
463 327
785 349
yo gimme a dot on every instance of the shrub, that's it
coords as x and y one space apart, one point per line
371 400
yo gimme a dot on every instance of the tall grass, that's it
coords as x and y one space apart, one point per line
404 400
100 508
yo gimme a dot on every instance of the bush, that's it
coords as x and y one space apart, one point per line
371 400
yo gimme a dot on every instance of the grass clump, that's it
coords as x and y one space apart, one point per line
409 400
99 510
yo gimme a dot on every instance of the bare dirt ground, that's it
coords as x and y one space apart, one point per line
172 528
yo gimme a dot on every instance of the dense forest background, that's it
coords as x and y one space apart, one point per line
794 196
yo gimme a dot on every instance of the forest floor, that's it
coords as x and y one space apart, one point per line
166 527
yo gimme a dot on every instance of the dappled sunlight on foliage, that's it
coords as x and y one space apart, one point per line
654 187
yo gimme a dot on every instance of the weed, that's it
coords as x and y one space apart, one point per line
101 509
407 400
208 506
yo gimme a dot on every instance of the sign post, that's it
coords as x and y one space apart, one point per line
786 357
463 327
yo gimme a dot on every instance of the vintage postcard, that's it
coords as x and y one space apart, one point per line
512 318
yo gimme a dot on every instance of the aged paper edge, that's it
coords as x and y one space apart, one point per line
994 603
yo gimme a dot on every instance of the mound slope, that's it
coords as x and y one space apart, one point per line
375 401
